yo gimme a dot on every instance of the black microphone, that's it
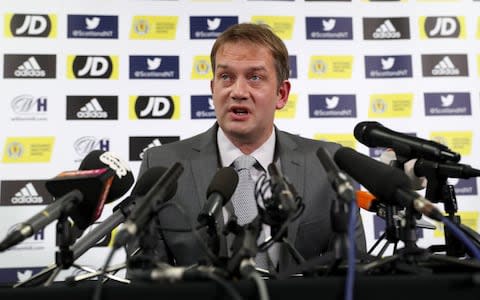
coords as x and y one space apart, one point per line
387 183
146 206
337 178
120 212
374 134
78 194
90 187
424 167
219 192
102 178
142 186
49 214
123 180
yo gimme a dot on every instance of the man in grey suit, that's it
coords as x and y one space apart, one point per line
250 65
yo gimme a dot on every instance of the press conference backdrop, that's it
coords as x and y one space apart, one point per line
126 75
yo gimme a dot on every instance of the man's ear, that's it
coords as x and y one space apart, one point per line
283 93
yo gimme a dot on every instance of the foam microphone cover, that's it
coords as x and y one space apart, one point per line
378 178
144 184
148 179
224 182
123 180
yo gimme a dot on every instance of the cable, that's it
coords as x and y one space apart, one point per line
462 237
261 285
262 190
350 280
97 293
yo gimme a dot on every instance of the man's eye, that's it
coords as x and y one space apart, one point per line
224 77
255 77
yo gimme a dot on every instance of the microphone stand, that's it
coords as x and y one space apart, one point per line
392 221
392 230
405 259
94 273
214 239
339 212
411 258
244 249
438 190
121 211
244 246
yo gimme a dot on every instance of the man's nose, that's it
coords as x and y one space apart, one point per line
240 89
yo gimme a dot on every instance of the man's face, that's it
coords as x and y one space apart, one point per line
246 92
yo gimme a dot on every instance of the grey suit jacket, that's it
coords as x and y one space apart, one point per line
311 233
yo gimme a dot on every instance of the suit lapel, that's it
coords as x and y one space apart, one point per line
292 162
204 162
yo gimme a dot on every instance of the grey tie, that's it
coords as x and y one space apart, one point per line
243 199
244 202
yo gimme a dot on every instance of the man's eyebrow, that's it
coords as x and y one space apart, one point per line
259 68
223 66
256 68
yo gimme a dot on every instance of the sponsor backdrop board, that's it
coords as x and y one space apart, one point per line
126 75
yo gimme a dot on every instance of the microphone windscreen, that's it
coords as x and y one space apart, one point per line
375 176
224 182
148 179
123 180
144 183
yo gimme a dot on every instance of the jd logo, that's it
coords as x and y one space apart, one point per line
30 25
158 107
442 27
92 67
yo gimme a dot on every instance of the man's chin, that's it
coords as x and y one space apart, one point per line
237 130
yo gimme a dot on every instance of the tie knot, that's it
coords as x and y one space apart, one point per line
244 162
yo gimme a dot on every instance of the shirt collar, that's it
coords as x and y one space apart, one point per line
229 152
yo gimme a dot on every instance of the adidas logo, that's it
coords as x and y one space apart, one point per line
30 68
445 67
28 194
386 31
92 109
154 143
